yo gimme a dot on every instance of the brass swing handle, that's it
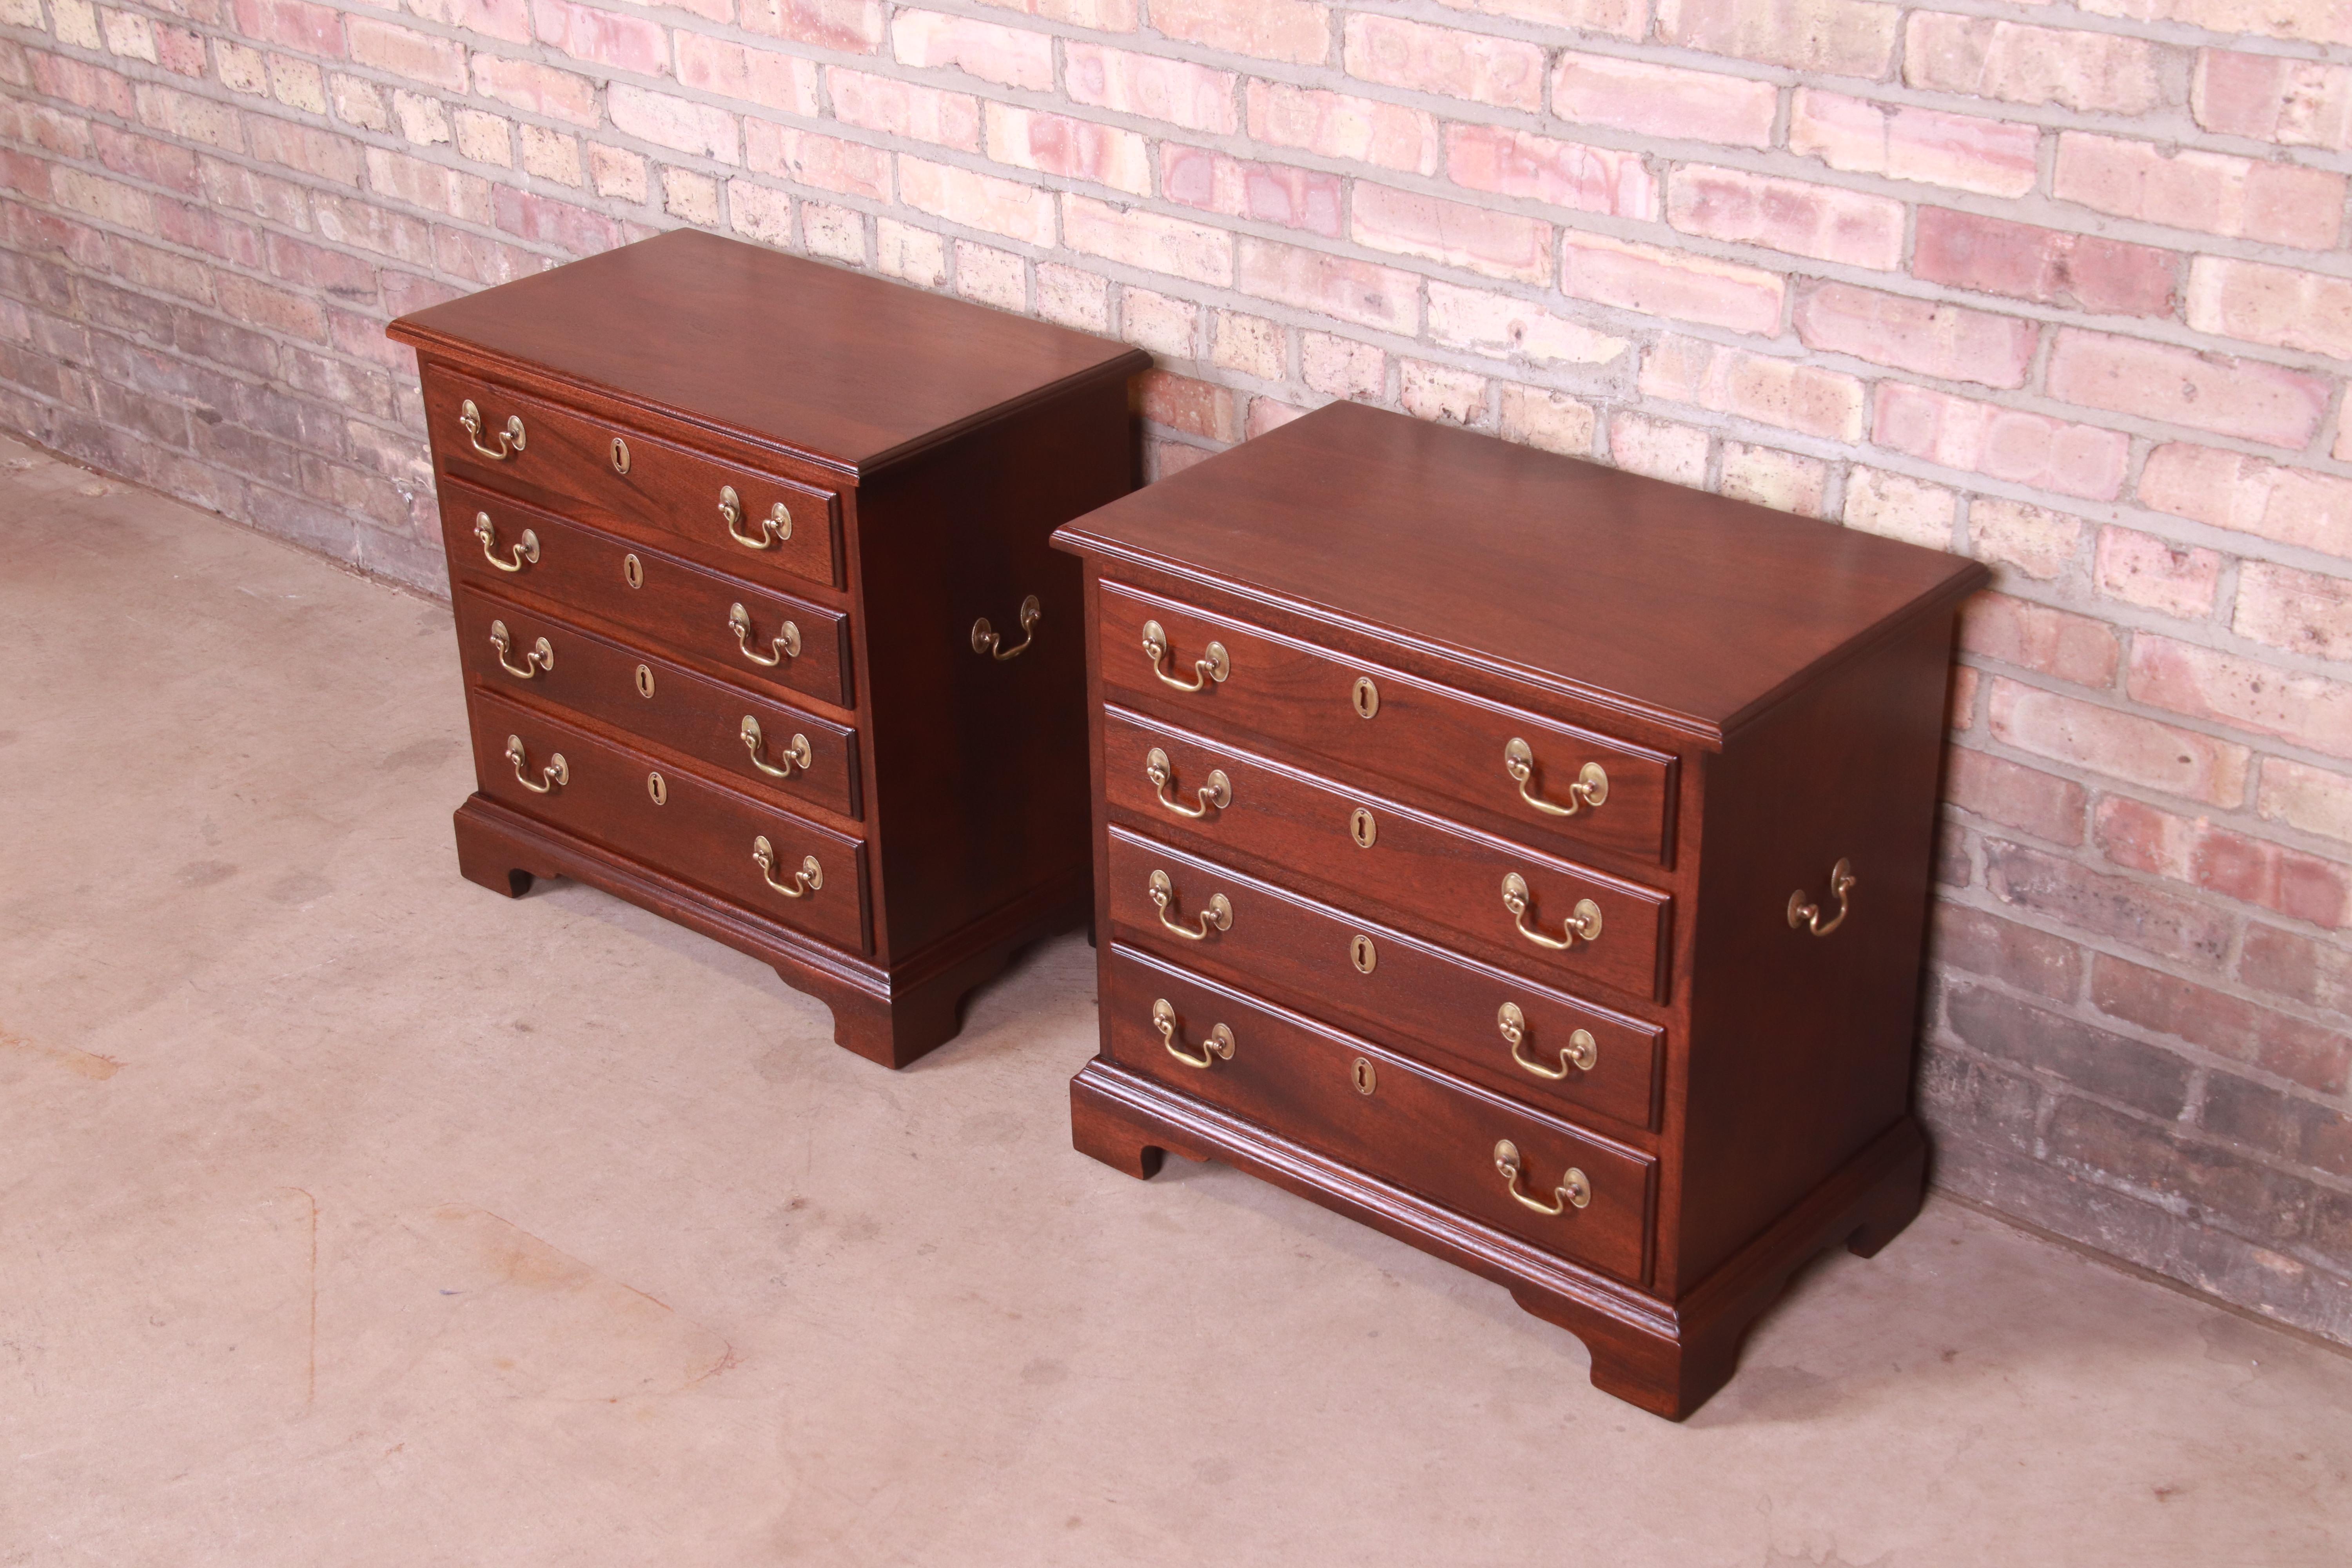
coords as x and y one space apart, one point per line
1218 1046
1218 916
810 879
985 639
786 644
1585 922
1573 1189
798 756
1581 1053
1215 663
553 777
509 438
1590 788
526 550
1214 795
774 528
540 657
1804 915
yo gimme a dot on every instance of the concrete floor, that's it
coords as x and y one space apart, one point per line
350 1214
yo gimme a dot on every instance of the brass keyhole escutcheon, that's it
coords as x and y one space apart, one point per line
645 682
619 455
1362 954
633 571
1362 1076
1366 697
657 787
1362 828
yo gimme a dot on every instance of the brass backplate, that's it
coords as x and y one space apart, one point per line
657 787
634 571
1363 829
645 682
1362 1076
1366 697
1362 954
619 455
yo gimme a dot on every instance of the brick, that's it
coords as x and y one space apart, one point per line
1761 387
2120 744
914 255
1406 223
1146 239
2034 540
294 24
1905 142
146 158
2313 800
2301 612
297 84
806 158
853 26
1793 215
2016 796
405 52
1250 344
758 210
2104 904
1781 481
1558 174
2216 1022
430 186
2316 973
754 211
1337 125
421 118
2222 860
904 108
2295 103
2156 381
355 221
271 308
2282 306
1268 414
1341 367
612 39
1008 57
2035 636
506 19
1073 299
324 154
1165 459
1177 91
2206 193
1338 286
617 174
2095 73
1078 149
759 76
538 89
1196 407
666 121
359 103
552 155
128 35
2299 1131
83 86
2141 569
2318 21
2048 266
279 201
76 22
2207 1185
192 119
1429 391
485 138
992 277
1504 72
1663 100
2229 490
838 232
1900 507
1659 449
1270 193
1841 37
1550 420
2204 683
2004 443
1925 336
179 51
349 278
1158 322
109 201
977 201
2096 1062
2016 955
1656 282
1288 30
1500 327
202 228
1102 15
572 228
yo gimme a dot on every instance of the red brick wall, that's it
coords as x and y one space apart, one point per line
2061 286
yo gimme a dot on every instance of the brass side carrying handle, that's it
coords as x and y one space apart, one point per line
774 528
1218 916
1215 663
986 640
1590 788
1804 915
509 438
526 550
553 777
1585 922
1218 1046
1214 795
786 645
797 756
1573 1191
809 881
540 657
1580 1052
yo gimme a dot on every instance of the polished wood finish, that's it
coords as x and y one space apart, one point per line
1765 695
672 396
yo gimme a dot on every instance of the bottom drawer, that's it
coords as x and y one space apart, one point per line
1394 1118
672 821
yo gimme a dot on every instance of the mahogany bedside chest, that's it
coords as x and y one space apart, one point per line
1527 859
759 622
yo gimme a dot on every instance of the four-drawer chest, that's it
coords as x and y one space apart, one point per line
1526 857
759 622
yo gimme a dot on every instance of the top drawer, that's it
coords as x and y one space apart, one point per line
737 518
1510 768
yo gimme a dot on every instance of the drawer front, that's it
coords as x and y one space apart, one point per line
1431 872
1389 1116
1381 979
667 488
695 831
797 754
1449 743
672 603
